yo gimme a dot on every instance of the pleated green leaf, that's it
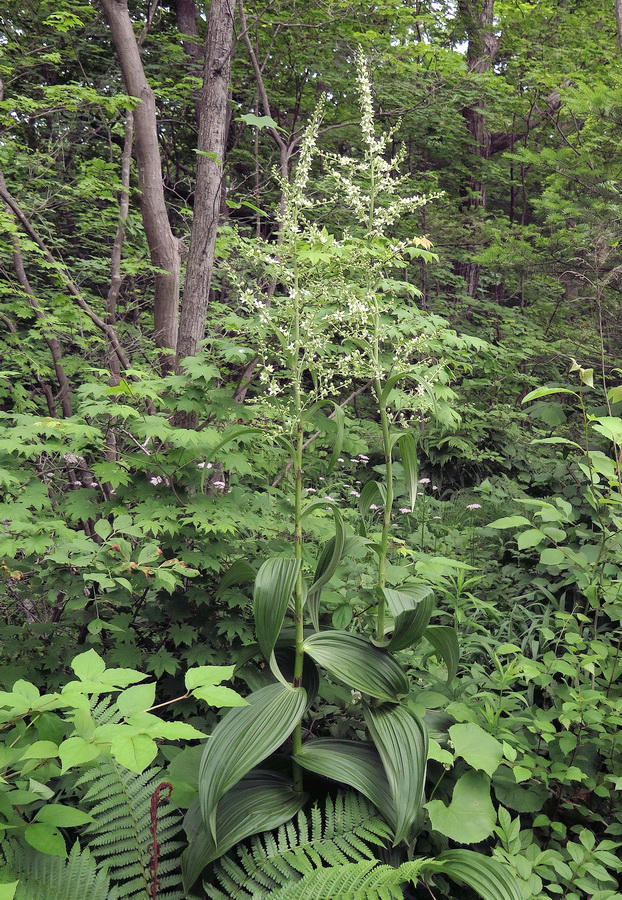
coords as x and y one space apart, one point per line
402 742
410 608
326 567
354 763
261 801
489 878
239 572
373 492
274 586
408 453
242 739
354 660
445 641
390 384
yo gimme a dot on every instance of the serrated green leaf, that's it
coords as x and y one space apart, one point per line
245 737
402 742
354 660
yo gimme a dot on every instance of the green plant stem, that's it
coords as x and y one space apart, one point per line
386 517
298 591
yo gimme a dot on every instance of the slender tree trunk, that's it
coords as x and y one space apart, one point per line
481 50
619 20
163 245
213 127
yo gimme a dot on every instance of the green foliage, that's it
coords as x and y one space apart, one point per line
41 876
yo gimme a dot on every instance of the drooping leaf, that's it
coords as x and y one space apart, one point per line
245 737
261 801
354 763
390 384
410 607
354 660
470 817
402 742
546 392
274 586
445 641
408 453
326 567
239 572
372 491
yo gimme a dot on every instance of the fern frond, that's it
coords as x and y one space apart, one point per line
43 877
366 880
120 836
337 835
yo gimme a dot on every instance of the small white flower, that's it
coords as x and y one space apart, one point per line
218 484
363 457
332 499
354 494
437 517
474 506
404 509
354 460
373 506
340 459
311 491
156 479
424 481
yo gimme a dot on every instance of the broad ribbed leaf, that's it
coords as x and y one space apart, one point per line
445 641
354 660
274 586
245 737
326 567
408 453
373 492
489 878
402 742
410 608
239 572
259 802
354 763
390 384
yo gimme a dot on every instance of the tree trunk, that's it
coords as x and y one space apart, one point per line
213 128
481 50
163 245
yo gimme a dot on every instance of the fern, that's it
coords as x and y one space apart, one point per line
338 835
120 837
43 877
365 880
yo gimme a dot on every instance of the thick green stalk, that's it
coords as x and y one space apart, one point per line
386 517
298 591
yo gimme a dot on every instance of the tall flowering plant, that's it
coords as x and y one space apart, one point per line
332 316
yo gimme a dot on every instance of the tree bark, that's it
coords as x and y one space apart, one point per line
213 127
163 245
481 50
